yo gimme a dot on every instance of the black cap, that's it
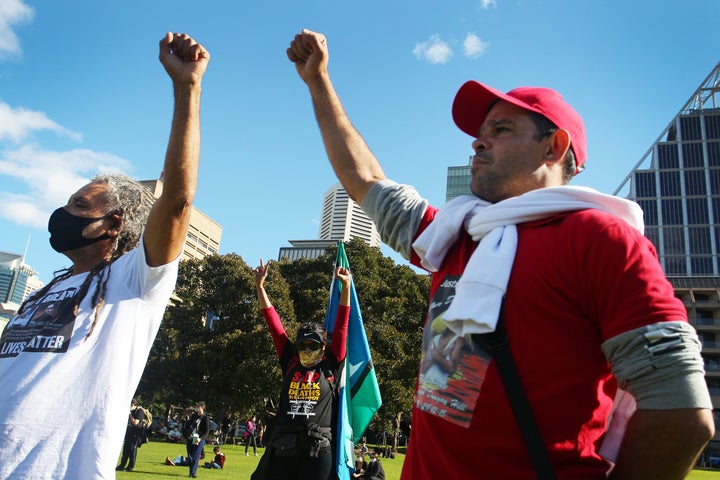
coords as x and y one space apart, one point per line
313 333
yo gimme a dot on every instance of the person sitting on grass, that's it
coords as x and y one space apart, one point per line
218 461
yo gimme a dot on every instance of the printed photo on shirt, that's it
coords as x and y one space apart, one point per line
44 326
453 367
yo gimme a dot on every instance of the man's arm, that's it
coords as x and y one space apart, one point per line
661 366
663 444
185 62
355 165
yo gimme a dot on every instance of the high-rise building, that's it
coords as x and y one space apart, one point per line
343 219
17 280
679 187
677 184
203 236
458 181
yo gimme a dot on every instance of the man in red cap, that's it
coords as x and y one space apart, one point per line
564 272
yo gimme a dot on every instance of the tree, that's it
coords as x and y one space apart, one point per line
234 364
231 365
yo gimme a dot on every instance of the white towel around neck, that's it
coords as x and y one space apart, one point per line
481 287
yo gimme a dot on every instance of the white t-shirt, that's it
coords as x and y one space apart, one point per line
63 398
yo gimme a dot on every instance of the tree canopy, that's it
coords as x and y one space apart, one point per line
214 344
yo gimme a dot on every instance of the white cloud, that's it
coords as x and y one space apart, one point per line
485 4
473 46
12 12
17 124
49 178
434 50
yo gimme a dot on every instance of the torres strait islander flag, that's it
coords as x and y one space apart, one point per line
358 387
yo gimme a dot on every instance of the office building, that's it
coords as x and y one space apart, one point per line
341 219
17 281
204 234
458 181
305 249
677 184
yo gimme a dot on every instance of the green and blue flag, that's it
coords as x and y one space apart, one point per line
358 386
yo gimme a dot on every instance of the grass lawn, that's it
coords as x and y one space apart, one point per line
702 474
150 464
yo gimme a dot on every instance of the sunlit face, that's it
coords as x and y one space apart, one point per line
90 202
507 154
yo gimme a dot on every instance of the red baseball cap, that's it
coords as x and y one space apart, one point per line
473 100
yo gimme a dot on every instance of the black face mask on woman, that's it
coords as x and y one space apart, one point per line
66 231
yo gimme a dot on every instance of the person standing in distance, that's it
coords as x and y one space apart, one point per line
133 436
73 378
586 303
196 430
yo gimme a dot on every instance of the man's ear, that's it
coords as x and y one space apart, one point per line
116 225
557 146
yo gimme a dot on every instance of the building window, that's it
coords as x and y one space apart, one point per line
670 184
712 126
695 182
668 156
700 240
675 266
645 184
697 211
672 212
674 241
717 238
701 265
713 152
690 128
649 208
693 155
653 234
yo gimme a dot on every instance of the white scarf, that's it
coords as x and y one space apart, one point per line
481 287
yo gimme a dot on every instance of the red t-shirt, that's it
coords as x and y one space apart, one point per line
578 279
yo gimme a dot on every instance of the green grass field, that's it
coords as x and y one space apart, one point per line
150 464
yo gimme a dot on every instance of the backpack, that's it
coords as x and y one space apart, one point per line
189 427
147 421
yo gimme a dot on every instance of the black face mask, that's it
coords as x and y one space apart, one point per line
66 231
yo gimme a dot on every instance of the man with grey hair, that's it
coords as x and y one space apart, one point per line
66 383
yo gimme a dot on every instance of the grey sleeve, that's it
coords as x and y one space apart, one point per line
660 365
396 211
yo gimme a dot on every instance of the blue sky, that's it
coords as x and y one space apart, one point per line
81 90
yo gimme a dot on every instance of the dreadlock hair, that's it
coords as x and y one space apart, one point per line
132 202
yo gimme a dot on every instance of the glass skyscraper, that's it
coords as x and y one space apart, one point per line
458 181
677 184
679 187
